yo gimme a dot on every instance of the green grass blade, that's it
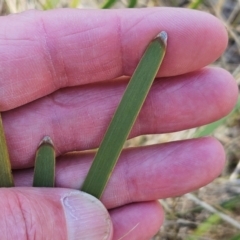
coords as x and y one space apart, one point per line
74 3
132 3
44 170
50 4
195 4
108 4
236 237
207 225
210 128
6 178
125 116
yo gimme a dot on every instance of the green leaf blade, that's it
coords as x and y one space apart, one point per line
74 3
50 4
6 178
124 117
195 4
108 4
132 3
44 170
210 128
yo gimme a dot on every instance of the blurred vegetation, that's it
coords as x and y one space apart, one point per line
185 219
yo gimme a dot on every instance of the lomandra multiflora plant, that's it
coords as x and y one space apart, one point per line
114 139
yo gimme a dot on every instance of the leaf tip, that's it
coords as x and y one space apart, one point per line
46 140
163 37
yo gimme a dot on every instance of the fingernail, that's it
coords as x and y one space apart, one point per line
86 217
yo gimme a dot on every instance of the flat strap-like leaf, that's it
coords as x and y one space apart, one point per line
125 116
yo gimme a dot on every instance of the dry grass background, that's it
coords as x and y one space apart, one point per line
189 217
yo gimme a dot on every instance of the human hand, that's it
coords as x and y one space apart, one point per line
56 78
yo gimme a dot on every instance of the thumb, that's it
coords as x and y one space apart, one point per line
52 213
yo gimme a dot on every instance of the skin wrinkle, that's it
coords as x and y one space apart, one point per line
41 209
17 59
194 81
138 21
169 88
19 213
48 218
120 40
146 121
17 41
100 64
12 212
25 218
99 70
138 188
8 223
183 85
73 100
218 104
83 32
64 72
164 187
93 44
48 56
195 55
56 121
131 179
28 81
197 80
185 168
115 58
126 180
92 79
105 66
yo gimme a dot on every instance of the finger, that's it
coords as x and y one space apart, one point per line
68 215
41 52
33 213
138 221
76 119
146 173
